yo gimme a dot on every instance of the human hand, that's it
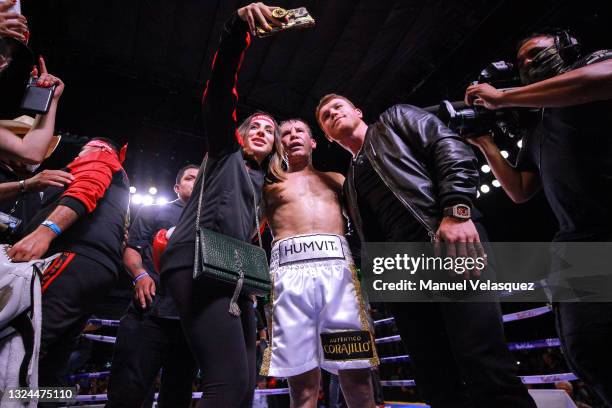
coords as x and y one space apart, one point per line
47 80
144 291
462 240
33 246
46 178
258 14
484 95
12 24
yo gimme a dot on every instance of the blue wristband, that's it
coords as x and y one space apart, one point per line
52 226
139 277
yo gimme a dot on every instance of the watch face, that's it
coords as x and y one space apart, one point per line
462 211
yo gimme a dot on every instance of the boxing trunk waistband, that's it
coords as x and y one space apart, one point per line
313 247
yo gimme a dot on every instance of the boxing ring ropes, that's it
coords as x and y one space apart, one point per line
511 317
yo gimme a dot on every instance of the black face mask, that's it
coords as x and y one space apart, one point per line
546 64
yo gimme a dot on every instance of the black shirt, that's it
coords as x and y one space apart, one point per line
149 220
98 235
571 149
23 207
384 217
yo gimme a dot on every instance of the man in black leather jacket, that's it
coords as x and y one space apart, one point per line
412 179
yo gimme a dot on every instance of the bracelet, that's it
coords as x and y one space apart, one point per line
22 186
52 226
139 277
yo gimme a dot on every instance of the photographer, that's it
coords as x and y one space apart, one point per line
568 155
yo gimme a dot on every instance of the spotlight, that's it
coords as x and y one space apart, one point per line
504 154
152 190
519 143
496 183
485 168
161 201
132 190
485 189
147 200
477 194
137 199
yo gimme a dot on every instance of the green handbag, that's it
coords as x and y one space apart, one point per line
230 260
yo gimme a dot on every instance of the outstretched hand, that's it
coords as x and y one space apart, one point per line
259 15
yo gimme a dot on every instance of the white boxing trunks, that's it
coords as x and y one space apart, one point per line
318 314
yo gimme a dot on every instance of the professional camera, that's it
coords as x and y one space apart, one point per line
475 120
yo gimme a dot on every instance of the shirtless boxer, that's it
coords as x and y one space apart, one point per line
318 314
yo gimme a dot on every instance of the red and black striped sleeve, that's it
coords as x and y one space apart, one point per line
220 97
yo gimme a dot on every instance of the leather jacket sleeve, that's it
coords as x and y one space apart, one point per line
449 159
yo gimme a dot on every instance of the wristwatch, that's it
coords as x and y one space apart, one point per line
458 211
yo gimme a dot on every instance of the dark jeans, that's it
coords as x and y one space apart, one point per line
223 345
144 345
67 303
459 355
75 285
585 330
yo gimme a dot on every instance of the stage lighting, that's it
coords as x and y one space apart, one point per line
137 199
147 200
504 154
496 183
485 168
161 201
152 190
132 190
485 189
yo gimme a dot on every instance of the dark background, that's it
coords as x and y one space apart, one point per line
134 72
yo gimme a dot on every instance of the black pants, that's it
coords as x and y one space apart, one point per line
585 331
146 344
223 345
72 285
459 355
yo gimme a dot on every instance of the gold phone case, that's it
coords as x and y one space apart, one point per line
297 18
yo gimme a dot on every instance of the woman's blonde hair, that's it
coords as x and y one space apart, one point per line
274 171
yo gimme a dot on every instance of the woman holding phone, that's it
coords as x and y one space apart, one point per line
223 344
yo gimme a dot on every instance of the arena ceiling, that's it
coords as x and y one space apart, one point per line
134 69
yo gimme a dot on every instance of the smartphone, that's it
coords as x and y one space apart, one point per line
37 99
296 18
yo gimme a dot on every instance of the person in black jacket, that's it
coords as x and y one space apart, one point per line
568 156
149 336
223 344
411 180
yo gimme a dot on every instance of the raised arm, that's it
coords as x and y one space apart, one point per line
34 145
583 85
220 96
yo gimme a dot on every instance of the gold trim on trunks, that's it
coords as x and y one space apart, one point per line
363 318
